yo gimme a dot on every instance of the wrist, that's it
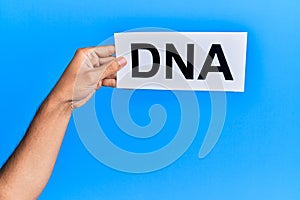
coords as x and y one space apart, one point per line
59 102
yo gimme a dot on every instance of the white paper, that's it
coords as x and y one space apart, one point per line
233 45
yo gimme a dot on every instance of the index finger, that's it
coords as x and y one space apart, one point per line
104 51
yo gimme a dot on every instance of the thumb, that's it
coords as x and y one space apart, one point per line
112 67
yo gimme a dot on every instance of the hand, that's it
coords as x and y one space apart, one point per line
90 69
28 170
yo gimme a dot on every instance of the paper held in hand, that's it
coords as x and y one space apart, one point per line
209 61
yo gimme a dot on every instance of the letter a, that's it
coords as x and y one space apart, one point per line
215 50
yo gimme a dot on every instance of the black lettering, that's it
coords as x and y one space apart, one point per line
135 60
188 69
215 50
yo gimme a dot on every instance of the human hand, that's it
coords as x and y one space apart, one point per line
89 69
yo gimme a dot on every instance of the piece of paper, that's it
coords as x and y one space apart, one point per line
209 61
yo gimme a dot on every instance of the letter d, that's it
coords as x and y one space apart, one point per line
135 60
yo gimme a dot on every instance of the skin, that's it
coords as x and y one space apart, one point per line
27 171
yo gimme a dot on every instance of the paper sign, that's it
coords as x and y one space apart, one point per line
182 60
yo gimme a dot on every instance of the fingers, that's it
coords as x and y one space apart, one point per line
113 67
106 60
104 51
113 76
108 78
109 82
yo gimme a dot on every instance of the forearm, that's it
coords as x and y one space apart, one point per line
28 169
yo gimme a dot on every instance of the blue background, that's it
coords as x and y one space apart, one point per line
258 153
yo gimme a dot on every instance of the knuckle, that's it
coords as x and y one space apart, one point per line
81 51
